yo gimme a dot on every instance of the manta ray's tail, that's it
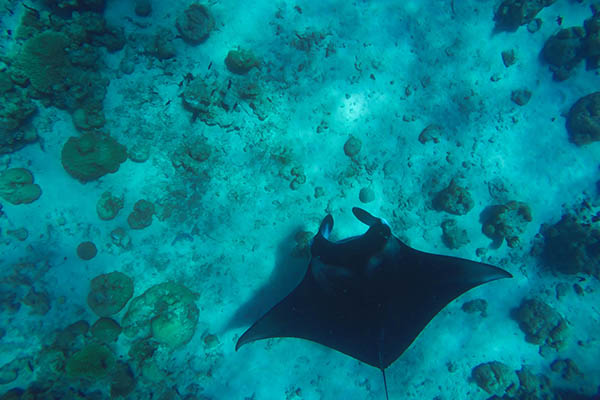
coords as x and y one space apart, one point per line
387 397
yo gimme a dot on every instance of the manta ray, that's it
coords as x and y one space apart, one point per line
369 296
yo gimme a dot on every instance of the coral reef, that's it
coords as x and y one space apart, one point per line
572 246
453 236
87 250
495 378
141 216
352 146
513 13
94 361
541 324
108 206
92 156
109 293
453 199
166 312
106 330
583 120
506 221
15 112
17 187
195 24
241 61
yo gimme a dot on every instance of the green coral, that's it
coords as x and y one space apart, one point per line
94 361
166 311
17 187
16 110
141 216
44 60
109 293
108 206
454 199
241 61
91 156
106 330
506 221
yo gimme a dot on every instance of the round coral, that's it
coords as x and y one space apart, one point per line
17 187
94 361
87 250
141 216
44 60
109 293
195 24
166 311
91 156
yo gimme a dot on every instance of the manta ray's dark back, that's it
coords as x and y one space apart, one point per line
369 296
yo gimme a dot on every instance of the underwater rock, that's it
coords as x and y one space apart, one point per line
20 234
513 13
583 120
563 51
366 195
38 301
192 155
94 361
299 178
195 24
567 368
44 60
87 250
106 330
109 293
533 386
10 371
453 236
122 381
17 187
352 146
76 5
162 45
141 216
520 96
72 336
506 221
495 378
571 246
508 57
86 119
541 324
108 206
453 199
241 61
92 156
120 238
166 311
475 306
139 152
113 38
17 109
143 8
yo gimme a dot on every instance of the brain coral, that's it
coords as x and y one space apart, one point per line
91 156
166 311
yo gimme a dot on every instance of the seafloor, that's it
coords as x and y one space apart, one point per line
199 146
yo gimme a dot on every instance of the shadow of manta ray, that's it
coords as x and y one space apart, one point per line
369 296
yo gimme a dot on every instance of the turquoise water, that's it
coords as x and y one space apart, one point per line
199 146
